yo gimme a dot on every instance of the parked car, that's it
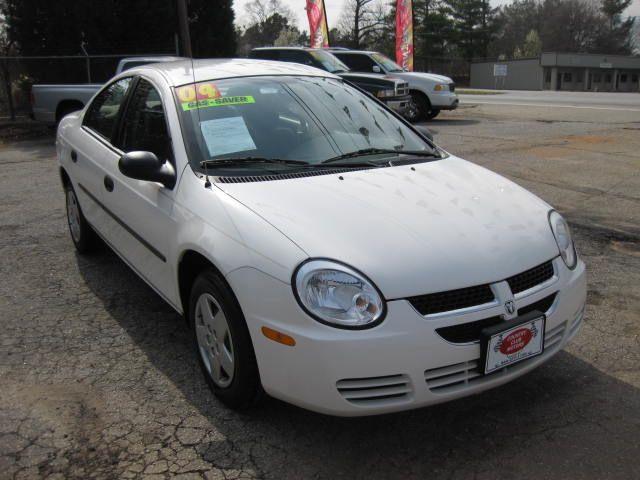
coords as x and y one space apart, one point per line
320 249
390 90
49 103
430 93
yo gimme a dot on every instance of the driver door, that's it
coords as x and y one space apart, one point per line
142 224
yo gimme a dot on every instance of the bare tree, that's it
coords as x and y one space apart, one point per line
259 10
361 20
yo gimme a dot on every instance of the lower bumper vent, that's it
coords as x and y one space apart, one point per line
460 376
375 391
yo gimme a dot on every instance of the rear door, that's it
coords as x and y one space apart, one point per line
90 147
141 224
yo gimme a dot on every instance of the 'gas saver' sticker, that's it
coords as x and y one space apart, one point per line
218 102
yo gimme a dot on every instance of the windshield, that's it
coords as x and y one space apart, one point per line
388 64
330 62
290 118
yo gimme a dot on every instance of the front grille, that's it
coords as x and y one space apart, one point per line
470 331
458 377
478 295
467 332
452 87
532 277
375 391
402 89
452 299
541 305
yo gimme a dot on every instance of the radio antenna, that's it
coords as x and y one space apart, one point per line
185 37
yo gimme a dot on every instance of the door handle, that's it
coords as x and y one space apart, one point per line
74 156
108 183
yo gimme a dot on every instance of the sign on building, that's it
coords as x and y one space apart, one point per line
499 70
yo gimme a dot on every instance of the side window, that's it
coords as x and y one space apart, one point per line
145 126
103 112
295 56
264 54
358 63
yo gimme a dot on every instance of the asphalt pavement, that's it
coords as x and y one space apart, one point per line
98 380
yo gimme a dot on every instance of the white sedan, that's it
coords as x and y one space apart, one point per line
320 248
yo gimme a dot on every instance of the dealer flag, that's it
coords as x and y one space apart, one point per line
404 34
318 30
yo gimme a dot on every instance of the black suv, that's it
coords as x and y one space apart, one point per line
392 91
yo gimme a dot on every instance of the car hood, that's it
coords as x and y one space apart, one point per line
412 230
422 75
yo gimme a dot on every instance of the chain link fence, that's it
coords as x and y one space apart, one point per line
18 74
457 69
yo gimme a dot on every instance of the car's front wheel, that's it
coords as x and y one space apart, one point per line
222 342
420 108
83 236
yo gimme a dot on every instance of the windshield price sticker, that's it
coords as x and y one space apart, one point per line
199 91
218 102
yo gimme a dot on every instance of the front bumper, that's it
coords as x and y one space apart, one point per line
397 104
444 100
401 364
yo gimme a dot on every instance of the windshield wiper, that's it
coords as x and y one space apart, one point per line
373 151
238 160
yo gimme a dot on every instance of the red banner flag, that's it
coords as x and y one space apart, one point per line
318 30
404 34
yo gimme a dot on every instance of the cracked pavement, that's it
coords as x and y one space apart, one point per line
97 379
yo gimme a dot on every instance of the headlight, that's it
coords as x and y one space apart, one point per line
337 295
386 93
562 234
441 87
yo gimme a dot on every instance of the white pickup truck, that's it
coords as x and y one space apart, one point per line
50 103
430 93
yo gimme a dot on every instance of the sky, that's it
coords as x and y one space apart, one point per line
334 7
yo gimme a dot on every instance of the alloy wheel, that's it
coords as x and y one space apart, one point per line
214 340
73 216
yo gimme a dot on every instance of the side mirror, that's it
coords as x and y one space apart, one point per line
146 166
376 69
424 131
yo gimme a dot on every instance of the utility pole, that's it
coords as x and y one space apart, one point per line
183 28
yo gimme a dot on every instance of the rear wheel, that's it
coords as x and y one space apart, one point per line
222 342
83 236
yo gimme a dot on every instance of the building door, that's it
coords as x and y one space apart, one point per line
559 82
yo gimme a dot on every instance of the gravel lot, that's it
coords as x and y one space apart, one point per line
97 378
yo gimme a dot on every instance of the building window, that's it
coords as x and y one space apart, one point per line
623 78
634 78
607 78
579 76
596 78
547 77
567 77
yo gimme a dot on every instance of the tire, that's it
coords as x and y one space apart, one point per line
422 109
82 235
221 333
433 113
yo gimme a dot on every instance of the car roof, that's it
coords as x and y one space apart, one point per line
366 52
200 70
288 48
